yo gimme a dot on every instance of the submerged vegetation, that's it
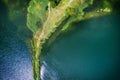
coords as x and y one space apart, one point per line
46 19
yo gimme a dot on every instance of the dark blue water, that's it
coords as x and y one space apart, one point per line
15 58
89 52
15 61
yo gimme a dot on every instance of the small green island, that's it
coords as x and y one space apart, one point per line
45 17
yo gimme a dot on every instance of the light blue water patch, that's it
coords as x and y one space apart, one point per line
15 60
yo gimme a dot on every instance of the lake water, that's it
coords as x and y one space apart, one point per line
88 52
15 59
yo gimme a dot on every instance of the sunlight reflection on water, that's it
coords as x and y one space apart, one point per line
47 73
